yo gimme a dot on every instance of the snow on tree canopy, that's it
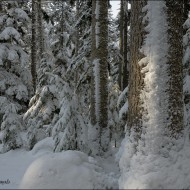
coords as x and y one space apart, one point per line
9 33
15 77
18 14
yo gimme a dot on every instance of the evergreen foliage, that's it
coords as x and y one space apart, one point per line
15 78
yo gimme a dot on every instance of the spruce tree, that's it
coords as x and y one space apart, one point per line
15 89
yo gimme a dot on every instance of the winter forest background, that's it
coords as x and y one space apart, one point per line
92 101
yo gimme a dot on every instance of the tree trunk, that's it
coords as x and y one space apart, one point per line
186 9
135 75
62 24
175 56
92 108
125 44
123 68
77 29
40 30
99 104
33 47
121 44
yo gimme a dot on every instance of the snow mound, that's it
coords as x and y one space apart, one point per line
43 146
66 170
155 171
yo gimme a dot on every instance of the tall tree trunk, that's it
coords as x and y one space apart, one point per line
103 64
135 75
40 30
175 55
62 24
186 9
125 45
77 29
92 108
186 63
123 68
121 45
99 105
33 47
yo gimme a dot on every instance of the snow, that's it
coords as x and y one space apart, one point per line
8 33
13 55
57 171
122 103
19 14
186 25
97 30
43 169
44 146
186 87
3 103
123 110
154 94
186 54
157 172
122 96
96 69
12 167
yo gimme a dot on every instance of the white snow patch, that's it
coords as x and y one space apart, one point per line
58 170
97 30
122 96
43 169
43 146
96 68
9 32
123 110
12 167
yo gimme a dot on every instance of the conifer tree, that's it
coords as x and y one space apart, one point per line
15 78
99 109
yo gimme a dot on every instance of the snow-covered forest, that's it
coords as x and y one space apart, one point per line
93 101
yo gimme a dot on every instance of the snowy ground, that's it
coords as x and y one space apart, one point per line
40 168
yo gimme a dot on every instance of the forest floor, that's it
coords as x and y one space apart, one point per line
41 168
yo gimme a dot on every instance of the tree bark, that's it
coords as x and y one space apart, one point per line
92 108
99 105
186 9
135 76
40 30
103 55
33 47
121 44
175 56
125 46
123 68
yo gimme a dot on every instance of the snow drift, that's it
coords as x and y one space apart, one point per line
67 170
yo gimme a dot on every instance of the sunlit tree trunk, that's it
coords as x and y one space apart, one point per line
135 76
